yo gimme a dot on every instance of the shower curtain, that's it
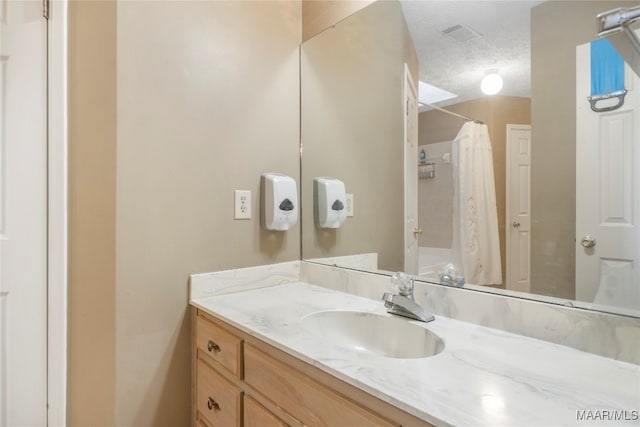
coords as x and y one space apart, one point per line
476 244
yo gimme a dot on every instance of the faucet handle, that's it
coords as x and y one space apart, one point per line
403 284
394 286
449 276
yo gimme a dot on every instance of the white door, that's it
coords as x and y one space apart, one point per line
607 194
23 214
518 218
411 230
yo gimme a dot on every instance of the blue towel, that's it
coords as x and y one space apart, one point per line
607 68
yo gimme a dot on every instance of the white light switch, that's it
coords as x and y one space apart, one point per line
242 204
349 201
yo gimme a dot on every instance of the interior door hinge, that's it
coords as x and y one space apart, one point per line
45 9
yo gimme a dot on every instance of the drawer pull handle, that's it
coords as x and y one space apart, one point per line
212 404
211 346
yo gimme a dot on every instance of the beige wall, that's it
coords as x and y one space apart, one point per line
317 15
92 214
207 100
557 27
434 126
352 129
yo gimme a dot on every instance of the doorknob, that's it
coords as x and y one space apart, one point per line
515 224
417 231
588 241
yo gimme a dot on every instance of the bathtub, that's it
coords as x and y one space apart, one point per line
431 261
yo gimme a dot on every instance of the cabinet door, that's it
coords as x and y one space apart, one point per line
305 399
218 401
256 415
220 345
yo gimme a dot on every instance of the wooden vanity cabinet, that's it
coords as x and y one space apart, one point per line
218 400
219 344
256 415
241 381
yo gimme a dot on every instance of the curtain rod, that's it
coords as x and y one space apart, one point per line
616 19
435 107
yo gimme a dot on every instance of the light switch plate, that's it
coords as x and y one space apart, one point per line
242 204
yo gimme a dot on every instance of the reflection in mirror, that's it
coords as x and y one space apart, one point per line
563 175
352 118
617 26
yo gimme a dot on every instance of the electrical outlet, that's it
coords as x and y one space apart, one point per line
242 204
349 201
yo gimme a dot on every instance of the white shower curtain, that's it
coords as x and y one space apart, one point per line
476 243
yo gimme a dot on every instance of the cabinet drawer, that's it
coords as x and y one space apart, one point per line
218 400
256 415
220 345
305 399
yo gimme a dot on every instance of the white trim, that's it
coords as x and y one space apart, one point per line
57 216
408 85
507 204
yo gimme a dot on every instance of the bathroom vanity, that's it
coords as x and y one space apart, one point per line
243 381
276 351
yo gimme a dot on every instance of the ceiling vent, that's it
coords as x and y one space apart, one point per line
461 34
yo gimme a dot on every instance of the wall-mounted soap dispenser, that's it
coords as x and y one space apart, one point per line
279 202
330 202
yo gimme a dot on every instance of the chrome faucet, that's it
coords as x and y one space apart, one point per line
449 276
404 304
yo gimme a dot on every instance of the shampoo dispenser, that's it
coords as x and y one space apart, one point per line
279 207
330 202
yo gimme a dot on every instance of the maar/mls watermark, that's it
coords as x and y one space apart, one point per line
607 415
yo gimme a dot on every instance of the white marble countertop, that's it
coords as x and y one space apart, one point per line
483 377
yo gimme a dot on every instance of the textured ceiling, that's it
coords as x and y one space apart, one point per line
504 27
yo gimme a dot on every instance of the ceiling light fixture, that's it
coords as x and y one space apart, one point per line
491 83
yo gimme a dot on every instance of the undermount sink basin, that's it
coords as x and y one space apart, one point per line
381 335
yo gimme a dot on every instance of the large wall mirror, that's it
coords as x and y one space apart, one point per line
553 190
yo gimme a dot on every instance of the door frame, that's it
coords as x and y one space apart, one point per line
409 86
57 213
507 222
